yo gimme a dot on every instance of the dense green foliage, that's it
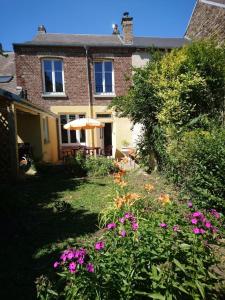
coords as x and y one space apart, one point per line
149 250
180 94
91 165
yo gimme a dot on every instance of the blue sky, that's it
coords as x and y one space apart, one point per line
162 18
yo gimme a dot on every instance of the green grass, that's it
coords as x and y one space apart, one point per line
38 218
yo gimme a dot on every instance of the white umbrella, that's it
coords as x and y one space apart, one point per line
83 123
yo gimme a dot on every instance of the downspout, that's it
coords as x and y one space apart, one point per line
89 92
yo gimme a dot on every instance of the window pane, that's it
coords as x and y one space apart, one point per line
72 117
98 67
64 133
47 65
98 83
73 136
58 65
108 66
82 136
48 82
81 116
108 82
58 82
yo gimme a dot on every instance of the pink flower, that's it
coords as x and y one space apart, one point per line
208 224
190 204
90 268
128 215
56 264
194 221
80 260
163 225
122 220
123 233
215 213
196 230
63 257
70 255
197 214
72 267
202 231
214 229
99 245
111 226
175 227
135 226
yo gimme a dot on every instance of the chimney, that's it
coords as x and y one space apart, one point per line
115 29
41 29
127 25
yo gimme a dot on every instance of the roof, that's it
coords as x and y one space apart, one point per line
7 69
58 39
17 99
218 3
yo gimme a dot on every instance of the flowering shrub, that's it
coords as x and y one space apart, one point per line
162 251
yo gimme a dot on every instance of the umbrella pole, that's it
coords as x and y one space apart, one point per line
92 138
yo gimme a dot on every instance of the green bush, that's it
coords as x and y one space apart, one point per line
76 166
197 161
158 255
99 166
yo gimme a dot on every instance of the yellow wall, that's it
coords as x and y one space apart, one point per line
121 126
50 149
28 131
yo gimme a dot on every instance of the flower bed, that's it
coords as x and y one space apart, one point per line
149 249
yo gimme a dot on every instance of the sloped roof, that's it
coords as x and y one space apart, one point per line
57 39
7 68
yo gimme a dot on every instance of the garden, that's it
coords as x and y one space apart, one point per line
93 230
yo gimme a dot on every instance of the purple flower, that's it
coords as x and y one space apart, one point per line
208 224
190 204
196 230
70 255
80 260
56 264
111 226
214 229
197 214
123 233
163 225
72 267
90 268
128 215
134 226
99 245
202 231
63 257
175 227
215 213
122 220
194 221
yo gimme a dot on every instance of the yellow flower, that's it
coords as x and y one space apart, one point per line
164 199
149 187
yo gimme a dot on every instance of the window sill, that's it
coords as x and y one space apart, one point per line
54 95
104 95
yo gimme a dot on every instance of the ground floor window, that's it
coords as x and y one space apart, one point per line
71 136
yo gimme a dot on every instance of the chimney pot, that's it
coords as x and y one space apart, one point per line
115 29
41 29
127 25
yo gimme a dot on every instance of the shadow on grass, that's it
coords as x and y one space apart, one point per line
29 221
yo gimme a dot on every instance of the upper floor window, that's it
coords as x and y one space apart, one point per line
53 77
104 77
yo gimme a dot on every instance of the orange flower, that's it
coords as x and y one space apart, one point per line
122 183
124 159
164 199
149 187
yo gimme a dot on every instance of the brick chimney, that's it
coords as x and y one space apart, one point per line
41 29
127 25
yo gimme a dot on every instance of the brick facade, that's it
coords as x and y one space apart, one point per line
29 73
207 21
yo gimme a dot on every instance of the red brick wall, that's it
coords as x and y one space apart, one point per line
207 21
29 75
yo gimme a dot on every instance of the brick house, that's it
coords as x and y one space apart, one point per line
207 20
77 76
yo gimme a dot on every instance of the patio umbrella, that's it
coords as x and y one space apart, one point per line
83 123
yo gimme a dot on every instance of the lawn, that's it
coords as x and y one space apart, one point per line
39 217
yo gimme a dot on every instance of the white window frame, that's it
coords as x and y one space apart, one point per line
53 77
103 78
68 131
